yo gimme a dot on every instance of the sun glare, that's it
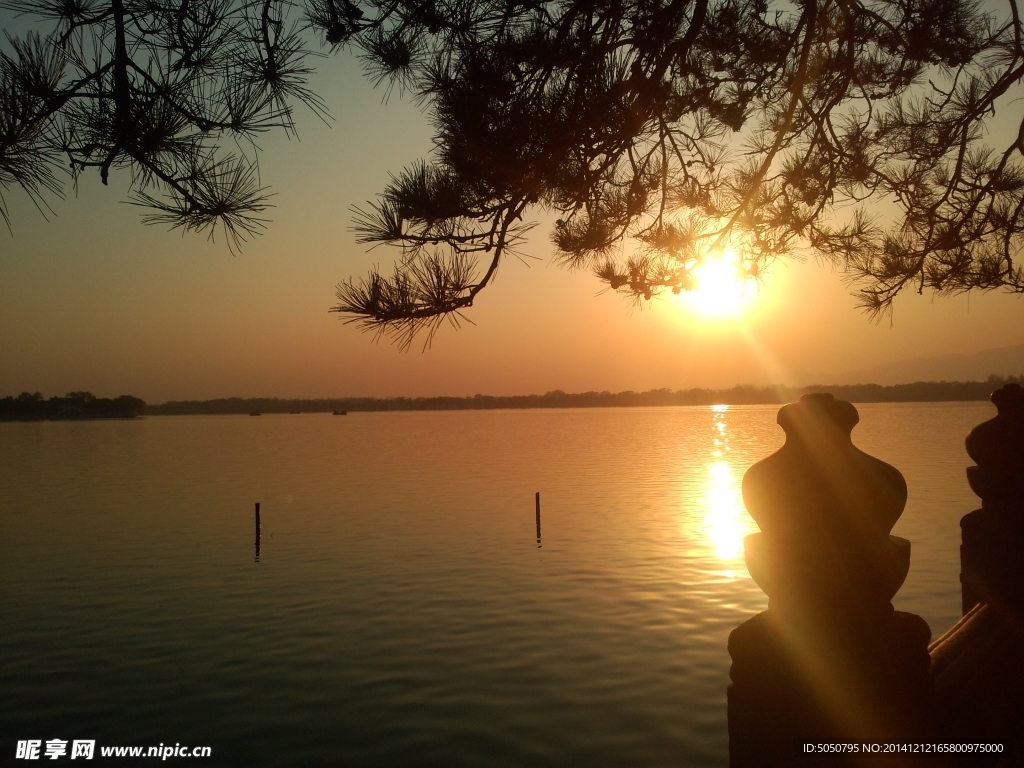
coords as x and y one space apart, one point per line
722 290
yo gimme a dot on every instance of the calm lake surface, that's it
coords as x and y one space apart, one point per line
401 612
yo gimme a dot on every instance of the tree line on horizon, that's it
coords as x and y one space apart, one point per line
29 406
32 406
922 391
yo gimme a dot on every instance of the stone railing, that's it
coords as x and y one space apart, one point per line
831 662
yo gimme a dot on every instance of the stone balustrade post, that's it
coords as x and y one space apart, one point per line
978 665
830 660
992 549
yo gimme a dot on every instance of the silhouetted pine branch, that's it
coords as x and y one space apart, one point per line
661 132
883 136
156 87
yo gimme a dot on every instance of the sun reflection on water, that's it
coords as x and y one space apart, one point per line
725 519
723 512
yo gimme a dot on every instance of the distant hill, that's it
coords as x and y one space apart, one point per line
1003 361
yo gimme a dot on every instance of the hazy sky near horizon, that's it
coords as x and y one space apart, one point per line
95 300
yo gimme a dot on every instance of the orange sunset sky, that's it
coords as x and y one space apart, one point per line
94 300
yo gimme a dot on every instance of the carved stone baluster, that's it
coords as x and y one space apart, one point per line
830 660
992 552
978 665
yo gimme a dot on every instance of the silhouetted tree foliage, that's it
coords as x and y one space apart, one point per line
657 132
159 87
660 131
75 405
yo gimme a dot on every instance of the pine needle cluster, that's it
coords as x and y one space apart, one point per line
659 132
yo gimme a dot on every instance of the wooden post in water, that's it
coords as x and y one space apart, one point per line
538 518
257 531
830 660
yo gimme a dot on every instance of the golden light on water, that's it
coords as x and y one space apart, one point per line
725 519
722 290
724 514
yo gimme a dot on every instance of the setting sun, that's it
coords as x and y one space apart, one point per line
721 290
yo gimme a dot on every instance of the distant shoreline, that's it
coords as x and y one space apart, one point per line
75 406
78 406
942 391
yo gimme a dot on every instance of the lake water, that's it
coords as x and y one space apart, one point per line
402 612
